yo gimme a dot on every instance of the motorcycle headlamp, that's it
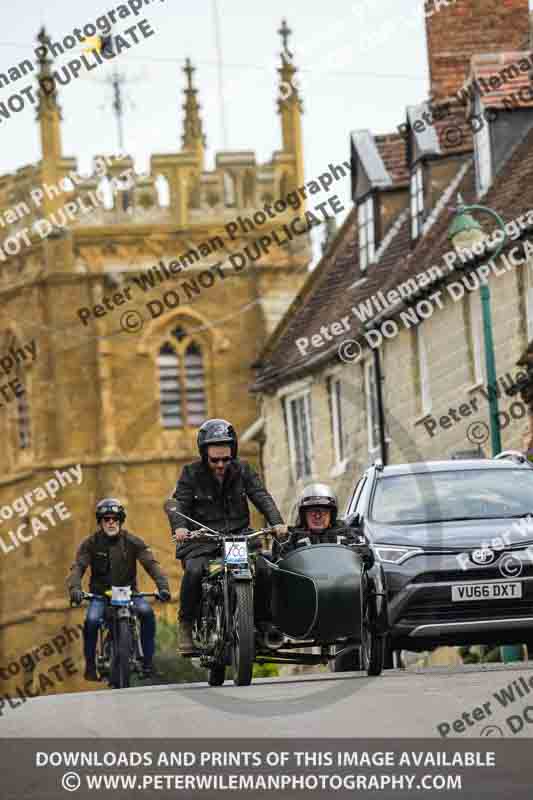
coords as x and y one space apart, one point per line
393 554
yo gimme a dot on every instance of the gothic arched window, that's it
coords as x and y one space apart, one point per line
181 381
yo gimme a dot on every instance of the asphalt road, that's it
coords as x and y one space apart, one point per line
399 703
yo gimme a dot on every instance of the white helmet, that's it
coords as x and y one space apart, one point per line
512 455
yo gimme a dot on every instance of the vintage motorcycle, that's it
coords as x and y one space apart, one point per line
322 598
224 633
119 650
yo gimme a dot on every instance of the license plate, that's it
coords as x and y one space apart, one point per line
120 595
236 551
486 591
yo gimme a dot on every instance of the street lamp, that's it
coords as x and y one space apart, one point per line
466 233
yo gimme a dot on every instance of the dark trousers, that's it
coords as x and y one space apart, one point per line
191 586
95 615
191 589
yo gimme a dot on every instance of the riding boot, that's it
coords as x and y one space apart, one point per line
186 646
90 672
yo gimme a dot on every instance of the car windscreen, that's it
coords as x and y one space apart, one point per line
454 494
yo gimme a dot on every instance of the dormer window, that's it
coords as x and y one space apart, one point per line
367 232
417 201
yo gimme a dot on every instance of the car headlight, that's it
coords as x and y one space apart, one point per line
392 554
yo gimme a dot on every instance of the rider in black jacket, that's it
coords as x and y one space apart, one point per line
213 492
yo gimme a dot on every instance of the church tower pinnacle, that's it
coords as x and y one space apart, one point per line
193 137
48 109
290 105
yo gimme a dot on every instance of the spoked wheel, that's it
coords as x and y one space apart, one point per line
121 671
103 652
216 675
347 662
243 645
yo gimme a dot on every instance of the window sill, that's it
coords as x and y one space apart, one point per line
339 468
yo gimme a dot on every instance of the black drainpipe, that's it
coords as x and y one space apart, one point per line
381 413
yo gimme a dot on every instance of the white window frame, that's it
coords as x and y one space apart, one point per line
288 400
476 334
367 232
372 413
417 200
338 423
483 155
423 370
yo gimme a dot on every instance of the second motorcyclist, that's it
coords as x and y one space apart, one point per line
111 554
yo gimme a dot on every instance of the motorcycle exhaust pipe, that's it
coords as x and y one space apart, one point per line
273 640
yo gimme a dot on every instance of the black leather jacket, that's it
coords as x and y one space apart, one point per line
220 506
339 534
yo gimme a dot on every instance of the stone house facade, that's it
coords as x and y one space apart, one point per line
391 305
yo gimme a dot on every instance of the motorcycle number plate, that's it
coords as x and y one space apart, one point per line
120 595
235 552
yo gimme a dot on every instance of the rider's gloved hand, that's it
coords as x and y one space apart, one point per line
76 597
281 532
164 595
180 534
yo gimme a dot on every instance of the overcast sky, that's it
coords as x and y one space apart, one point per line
362 62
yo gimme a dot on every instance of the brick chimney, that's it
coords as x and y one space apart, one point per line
458 29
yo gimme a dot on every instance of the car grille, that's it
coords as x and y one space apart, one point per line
439 611
470 574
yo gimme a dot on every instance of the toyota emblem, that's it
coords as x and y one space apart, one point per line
483 556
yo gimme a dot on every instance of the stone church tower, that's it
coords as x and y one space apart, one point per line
143 322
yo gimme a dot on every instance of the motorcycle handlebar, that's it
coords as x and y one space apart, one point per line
91 596
201 532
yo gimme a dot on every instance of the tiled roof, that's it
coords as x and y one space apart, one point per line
510 195
392 148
